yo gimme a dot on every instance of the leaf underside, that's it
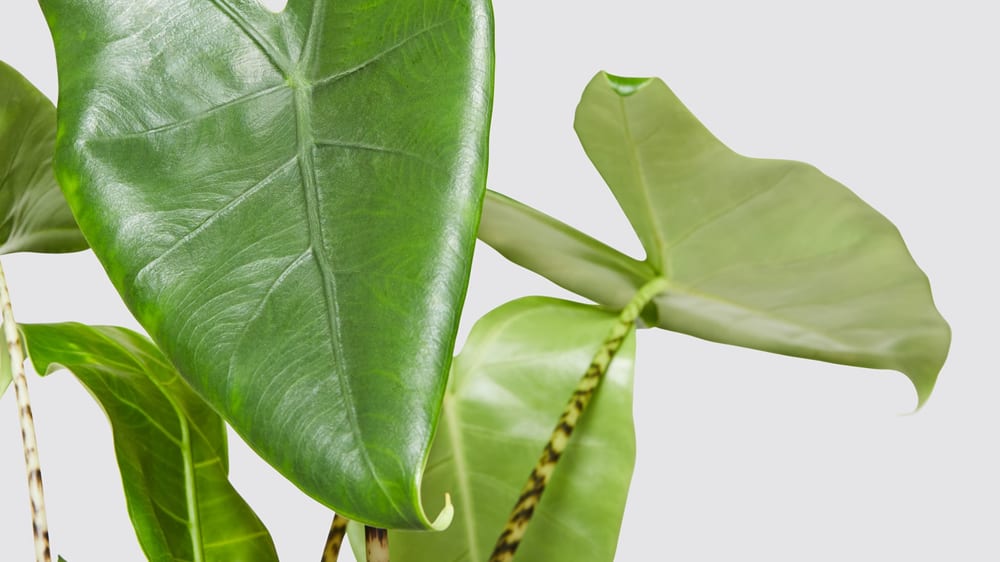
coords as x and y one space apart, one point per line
288 204
170 445
509 385
34 216
767 254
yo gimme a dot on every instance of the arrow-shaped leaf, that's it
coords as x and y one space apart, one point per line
768 254
171 446
288 203
520 364
34 216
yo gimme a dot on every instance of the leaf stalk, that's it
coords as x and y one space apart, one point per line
335 539
32 463
376 544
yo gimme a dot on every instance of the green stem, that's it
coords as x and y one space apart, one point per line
31 461
520 517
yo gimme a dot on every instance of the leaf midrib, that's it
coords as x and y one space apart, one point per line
657 258
306 142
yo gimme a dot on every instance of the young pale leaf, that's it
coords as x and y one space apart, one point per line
170 444
34 216
520 365
288 203
768 254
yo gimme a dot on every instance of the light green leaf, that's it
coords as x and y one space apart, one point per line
6 369
518 369
171 446
569 257
34 216
288 203
767 254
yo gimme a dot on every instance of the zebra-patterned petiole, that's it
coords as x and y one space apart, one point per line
31 462
517 524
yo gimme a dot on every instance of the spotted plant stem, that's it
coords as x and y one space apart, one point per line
517 524
335 539
31 463
376 544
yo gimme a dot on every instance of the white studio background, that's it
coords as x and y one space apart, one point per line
743 455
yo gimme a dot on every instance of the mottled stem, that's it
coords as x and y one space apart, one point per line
376 544
335 539
31 463
520 517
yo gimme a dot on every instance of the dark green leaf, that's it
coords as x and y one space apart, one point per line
288 203
34 216
768 254
520 365
170 445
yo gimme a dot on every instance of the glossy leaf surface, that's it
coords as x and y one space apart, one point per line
768 254
288 203
34 216
170 445
509 385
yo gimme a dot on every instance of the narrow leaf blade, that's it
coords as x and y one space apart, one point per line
170 445
288 203
34 216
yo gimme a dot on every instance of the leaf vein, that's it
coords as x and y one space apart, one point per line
327 80
215 216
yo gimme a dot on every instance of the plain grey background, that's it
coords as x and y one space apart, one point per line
743 455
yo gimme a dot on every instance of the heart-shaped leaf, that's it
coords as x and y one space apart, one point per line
509 385
288 203
34 216
170 444
768 254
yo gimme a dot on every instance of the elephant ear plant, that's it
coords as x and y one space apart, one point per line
288 203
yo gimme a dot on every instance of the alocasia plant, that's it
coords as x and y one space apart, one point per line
288 202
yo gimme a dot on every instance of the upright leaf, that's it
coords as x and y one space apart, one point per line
768 254
34 216
288 203
170 445
520 365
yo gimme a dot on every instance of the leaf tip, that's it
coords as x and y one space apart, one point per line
625 85
443 520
